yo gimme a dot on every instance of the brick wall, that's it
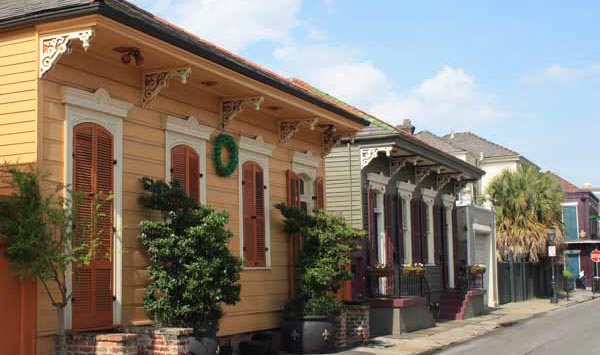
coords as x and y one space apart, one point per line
132 341
352 326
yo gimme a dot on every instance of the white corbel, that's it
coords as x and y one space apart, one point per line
368 154
288 128
230 108
154 81
52 47
421 172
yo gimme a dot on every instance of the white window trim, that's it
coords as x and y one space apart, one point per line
562 215
255 150
305 165
378 183
85 107
449 201
405 191
190 133
429 199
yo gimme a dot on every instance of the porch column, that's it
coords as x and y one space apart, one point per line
405 191
448 201
429 199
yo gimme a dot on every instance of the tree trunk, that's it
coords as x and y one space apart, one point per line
61 345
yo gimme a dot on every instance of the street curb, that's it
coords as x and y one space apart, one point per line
499 326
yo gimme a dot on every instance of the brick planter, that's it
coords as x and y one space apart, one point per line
131 341
352 325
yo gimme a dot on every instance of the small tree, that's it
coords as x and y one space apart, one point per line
327 242
192 271
527 204
36 228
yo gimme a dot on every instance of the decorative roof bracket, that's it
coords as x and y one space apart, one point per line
52 47
230 108
329 138
368 154
397 163
444 179
154 81
421 172
288 128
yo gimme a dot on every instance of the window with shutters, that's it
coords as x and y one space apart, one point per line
93 164
185 169
254 202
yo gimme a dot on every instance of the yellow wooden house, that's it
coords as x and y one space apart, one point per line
103 93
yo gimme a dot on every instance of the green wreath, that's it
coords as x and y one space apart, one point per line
225 141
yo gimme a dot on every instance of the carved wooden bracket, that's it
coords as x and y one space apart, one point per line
459 185
288 128
155 81
54 46
443 180
421 172
230 108
368 154
329 139
397 163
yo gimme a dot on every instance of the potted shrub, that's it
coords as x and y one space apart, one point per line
477 269
327 242
192 271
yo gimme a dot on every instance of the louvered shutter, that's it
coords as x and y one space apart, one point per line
293 192
93 175
293 199
185 169
261 248
399 232
371 220
249 194
389 223
437 234
415 206
423 238
319 194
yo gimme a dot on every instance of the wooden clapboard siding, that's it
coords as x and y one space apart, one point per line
264 292
343 184
18 99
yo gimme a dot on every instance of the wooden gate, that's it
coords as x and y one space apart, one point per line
17 310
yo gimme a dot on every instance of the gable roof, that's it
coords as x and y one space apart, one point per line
566 185
22 13
439 143
478 145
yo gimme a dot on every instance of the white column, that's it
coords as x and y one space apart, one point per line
405 191
448 201
429 199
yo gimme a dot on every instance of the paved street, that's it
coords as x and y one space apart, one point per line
572 331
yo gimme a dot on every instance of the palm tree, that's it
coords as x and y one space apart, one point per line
527 204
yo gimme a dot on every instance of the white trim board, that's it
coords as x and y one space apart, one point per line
98 107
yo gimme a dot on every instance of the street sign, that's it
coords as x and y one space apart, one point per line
551 251
595 256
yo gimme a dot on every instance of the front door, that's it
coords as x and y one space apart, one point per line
572 264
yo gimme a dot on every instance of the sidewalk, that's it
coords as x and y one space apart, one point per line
444 334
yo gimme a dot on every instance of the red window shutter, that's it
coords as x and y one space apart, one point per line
254 215
400 232
371 220
416 230
389 229
185 168
437 233
423 238
293 193
93 166
319 194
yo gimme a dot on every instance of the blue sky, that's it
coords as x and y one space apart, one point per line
524 74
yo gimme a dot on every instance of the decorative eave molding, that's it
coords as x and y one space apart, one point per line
231 108
368 154
287 129
99 101
378 181
444 179
52 47
329 139
306 158
154 81
459 185
397 163
405 189
189 126
256 145
421 172
429 196
448 200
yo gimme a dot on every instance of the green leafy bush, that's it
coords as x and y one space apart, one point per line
327 242
192 272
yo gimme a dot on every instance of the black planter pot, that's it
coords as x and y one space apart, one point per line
311 334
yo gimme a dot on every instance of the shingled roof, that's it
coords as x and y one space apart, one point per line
477 145
22 13
439 143
566 185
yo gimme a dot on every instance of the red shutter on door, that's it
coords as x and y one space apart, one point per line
437 234
415 206
93 175
185 168
249 194
261 248
293 193
423 223
319 194
371 202
399 232
389 229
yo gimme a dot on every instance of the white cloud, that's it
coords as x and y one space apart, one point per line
559 73
232 24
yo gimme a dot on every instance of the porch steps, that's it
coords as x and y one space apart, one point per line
451 305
